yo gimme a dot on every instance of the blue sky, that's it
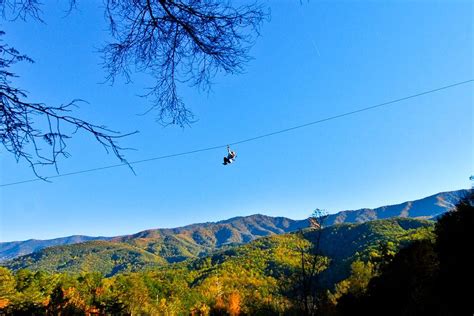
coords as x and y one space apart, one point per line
312 60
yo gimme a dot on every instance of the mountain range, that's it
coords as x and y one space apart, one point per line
159 246
428 208
342 243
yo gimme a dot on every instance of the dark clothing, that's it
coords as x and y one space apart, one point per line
230 157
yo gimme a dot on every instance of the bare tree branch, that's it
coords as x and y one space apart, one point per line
174 41
21 9
34 131
178 41
313 262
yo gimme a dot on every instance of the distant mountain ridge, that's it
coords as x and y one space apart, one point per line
343 243
241 229
153 248
13 249
174 244
177 244
427 208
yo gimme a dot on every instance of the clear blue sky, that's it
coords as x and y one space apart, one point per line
312 60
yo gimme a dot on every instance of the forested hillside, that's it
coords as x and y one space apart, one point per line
177 244
359 267
342 244
103 257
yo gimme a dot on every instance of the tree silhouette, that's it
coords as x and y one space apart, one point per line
426 277
312 263
454 244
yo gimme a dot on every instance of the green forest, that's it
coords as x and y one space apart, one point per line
396 266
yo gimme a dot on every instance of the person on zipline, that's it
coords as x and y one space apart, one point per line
230 156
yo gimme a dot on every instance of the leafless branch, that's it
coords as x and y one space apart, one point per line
20 9
174 41
178 41
34 131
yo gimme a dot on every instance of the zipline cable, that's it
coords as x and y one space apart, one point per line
244 140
